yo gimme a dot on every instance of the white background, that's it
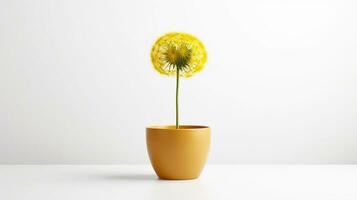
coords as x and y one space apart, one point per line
77 85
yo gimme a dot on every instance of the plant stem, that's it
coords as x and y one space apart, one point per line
177 94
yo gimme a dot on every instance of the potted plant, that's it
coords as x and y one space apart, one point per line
178 151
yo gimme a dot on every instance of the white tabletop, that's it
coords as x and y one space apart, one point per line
120 182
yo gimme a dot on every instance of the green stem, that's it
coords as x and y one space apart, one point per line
177 94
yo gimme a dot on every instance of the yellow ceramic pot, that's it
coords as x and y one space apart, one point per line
178 154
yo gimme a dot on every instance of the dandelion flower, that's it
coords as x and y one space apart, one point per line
181 52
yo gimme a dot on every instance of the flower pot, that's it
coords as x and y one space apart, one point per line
178 154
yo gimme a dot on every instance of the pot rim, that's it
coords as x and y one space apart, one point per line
181 127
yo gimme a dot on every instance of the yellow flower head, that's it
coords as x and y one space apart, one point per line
178 51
